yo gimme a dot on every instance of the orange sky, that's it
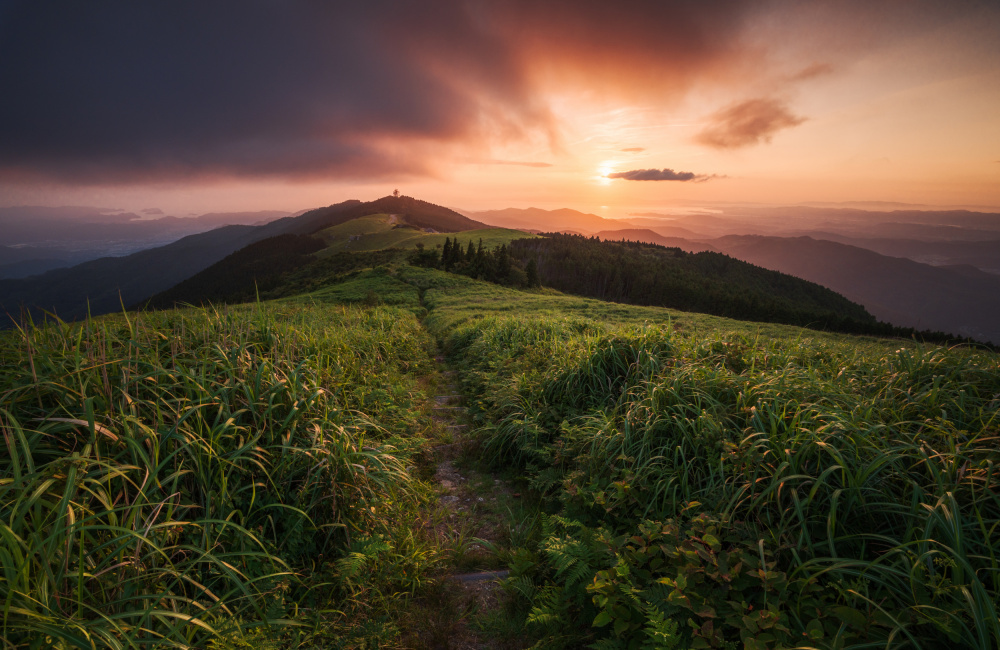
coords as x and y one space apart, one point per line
766 103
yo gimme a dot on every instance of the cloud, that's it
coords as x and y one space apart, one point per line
152 211
137 93
811 72
747 123
128 92
662 175
634 149
518 163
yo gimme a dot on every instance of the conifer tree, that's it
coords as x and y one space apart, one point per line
532 272
503 263
446 254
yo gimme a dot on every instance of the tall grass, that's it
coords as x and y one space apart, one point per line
864 469
166 475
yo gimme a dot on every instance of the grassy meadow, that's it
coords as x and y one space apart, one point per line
203 478
714 483
250 476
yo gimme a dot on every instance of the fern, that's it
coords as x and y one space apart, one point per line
661 631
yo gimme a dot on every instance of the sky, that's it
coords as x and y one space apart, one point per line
191 107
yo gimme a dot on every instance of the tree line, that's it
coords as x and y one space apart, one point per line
476 261
712 283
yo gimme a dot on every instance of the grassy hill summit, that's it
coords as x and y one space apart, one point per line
411 211
381 231
106 284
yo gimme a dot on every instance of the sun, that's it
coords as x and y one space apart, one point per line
605 168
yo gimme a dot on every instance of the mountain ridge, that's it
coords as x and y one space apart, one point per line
541 220
899 290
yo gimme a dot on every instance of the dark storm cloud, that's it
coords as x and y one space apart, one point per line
747 123
145 90
126 92
122 91
657 175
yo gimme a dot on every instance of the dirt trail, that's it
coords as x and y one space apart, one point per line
470 521
466 523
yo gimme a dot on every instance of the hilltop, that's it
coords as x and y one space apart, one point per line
106 284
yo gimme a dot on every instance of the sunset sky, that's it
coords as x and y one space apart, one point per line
603 106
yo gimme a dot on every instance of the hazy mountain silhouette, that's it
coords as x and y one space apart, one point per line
984 255
649 236
539 220
28 225
36 239
894 289
959 299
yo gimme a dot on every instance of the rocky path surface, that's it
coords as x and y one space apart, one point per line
469 523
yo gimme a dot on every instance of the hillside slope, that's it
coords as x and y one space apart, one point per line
712 283
959 299
302 437
894 289
105 285
241 276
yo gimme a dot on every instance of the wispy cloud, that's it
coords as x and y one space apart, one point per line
812 71
518 163
634 149
747 123
662 175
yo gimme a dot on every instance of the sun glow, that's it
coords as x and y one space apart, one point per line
605 168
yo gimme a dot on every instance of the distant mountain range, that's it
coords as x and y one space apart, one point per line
894 289
941 276
537 219
36 239
959 299
784 221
